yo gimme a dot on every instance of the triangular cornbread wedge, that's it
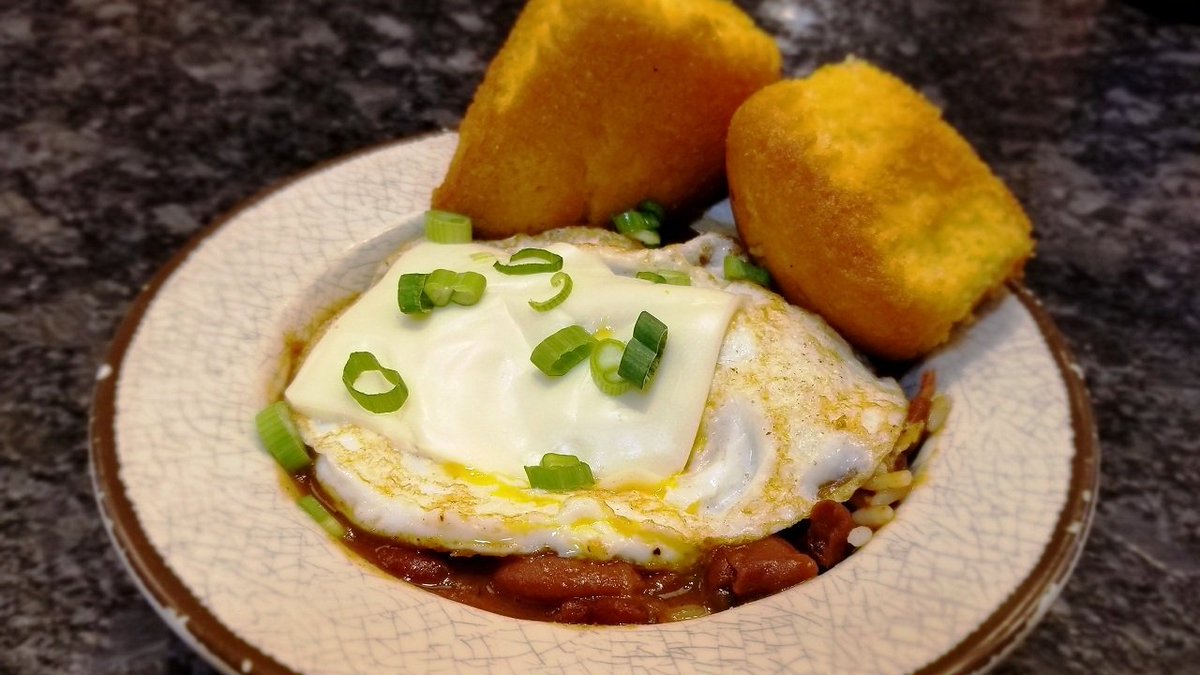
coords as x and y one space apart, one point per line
594 105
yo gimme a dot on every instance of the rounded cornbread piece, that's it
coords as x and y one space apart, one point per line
592 106
869 209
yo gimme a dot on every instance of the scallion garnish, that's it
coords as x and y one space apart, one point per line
651 332
360 363
444 227
322 515
740 269
421 293
644 352
637 225
539 261
653 208
277 431
560 472
675 278
468 288
670 277
605 362
638 364
410 294
439 286
641 223
559 279
563 350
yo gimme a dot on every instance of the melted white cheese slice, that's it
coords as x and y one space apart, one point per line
476 400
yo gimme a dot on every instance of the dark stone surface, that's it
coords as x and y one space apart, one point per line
124 126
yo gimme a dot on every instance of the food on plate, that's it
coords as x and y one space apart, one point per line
868 208
570 427
756 411
594 105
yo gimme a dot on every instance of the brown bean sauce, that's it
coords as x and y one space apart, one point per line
546 587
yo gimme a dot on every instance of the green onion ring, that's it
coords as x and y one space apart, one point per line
644 352
675 278
324 518
541 262
605 362
650 238
560 472
444 227
384 402
559 279
739 269
652 277
563 350
641 223
439 286
410 294
628 222
277 431
468 288
653 208
651 332
638 364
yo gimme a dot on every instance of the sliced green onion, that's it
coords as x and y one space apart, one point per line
605 363
468 288
641 223
480 256
675 278
444 227
628 222
421 293
277 431
560 472
651 332
383 402
739 269
439 286
638 363
563 350
410 294
540 260
559 279
553 460
648 237
671 277
653 208
322 515
639 226
644 352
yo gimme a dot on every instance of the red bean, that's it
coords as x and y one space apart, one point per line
607 611
756 569
418 567
551 579
828 527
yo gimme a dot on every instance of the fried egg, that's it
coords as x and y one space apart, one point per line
758 410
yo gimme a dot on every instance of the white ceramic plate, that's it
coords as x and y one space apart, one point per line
195 507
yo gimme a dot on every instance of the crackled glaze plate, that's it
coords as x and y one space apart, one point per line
197 510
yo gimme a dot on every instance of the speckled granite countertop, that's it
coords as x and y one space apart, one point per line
125 126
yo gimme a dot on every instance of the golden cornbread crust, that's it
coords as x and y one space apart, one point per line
594 105
869 209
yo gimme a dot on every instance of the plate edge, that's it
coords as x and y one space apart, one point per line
223 648
998 635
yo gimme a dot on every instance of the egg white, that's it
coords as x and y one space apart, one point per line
792 416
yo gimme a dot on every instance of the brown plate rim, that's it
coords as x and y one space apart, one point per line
993 639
